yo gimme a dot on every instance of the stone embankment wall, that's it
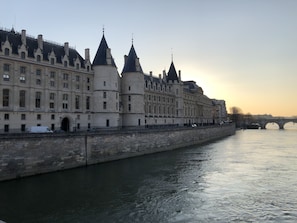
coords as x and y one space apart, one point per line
26 155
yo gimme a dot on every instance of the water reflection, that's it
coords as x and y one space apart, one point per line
248 177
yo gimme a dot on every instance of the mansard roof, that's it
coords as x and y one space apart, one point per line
191 86
130 62
148 77
14 38
172 75
101 55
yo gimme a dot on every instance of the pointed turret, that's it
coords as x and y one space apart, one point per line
103 55
172 75
132 62
106 87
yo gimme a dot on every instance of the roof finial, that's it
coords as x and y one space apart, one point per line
103 30
171 55
132 38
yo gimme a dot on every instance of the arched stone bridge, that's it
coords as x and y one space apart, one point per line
279 121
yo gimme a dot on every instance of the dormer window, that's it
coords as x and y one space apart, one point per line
38 58
77 66
6 52
52 61
65 64
23 55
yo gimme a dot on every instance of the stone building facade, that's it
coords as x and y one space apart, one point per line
44 83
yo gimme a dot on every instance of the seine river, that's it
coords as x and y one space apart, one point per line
248 177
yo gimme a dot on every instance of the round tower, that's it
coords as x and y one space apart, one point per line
106 88
132 91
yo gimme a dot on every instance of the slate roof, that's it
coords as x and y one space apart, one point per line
100 57
172 75
148 77
191 86
130 63
15 41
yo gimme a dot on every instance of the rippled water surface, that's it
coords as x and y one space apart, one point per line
248 177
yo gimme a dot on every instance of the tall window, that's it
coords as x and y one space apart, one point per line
52 103
38 72
37 99
77 102
23 79
23 70
88 103
65 101
38 77
6 68
22 98
6 116
6 128
65 77
5 98
52 96
65 97
104 105
104 94
52 74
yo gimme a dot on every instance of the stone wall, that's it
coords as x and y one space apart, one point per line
25 155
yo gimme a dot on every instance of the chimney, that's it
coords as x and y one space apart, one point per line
151 73
24 37
40 42
125 59
66 48
179 75
87 54
164 74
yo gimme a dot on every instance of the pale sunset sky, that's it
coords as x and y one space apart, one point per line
241 51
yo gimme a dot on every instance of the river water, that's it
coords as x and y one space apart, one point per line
248 177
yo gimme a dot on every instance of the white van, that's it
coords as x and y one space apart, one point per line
39 129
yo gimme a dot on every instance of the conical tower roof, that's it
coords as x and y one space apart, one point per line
101 55
132 62
172 75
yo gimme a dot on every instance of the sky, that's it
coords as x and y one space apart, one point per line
240 51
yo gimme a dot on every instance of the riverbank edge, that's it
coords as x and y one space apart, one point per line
28 155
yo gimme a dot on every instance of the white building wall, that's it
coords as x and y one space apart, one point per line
106 97
132 89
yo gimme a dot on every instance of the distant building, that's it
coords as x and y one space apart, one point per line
44 83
